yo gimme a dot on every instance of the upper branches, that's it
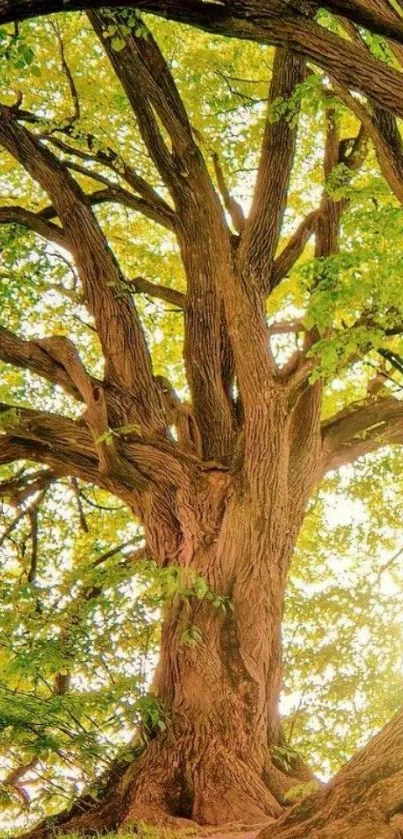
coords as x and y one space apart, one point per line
222 14
281 27
154 98
202 233
280 23
126 355
262 231
226 334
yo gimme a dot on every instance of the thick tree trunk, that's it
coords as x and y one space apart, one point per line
220 694
213 764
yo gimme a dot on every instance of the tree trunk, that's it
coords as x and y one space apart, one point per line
220 672
218 679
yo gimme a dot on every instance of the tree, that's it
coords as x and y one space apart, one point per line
219 481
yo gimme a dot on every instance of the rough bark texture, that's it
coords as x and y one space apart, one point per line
213 764
364 801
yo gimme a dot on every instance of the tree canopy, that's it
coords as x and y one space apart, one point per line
106 119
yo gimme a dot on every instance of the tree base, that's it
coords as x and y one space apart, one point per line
364 801
164 789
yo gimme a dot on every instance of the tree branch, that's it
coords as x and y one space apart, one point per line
17 489
169 295
331 209
58 458
360 429
234 209
150 90
47 357
202 231
67 447
382 129
136 462
118 195
35 222
279 24
128 363
262 230
294 248
114 194
68 74
216 15
316 220
305 427
109 158
23 513
32 356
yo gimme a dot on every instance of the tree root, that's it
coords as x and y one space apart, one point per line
364 801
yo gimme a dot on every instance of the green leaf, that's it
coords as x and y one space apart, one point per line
117 44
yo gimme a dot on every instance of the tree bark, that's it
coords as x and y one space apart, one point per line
221 693
364 801
220 670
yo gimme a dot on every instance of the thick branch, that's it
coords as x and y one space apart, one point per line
213 14
126 354
370 14
275 24
19 215
150 90
262 230
60 459
361 429
29 355
330 52
202 232
68 447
